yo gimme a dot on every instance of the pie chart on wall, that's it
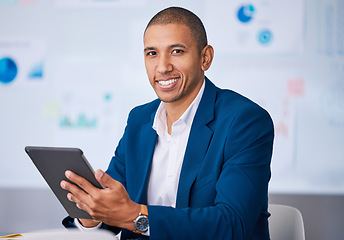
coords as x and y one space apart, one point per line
8 70
246 13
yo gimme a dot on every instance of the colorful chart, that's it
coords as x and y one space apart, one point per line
246 13
8 70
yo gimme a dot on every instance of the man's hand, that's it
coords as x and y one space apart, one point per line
110 205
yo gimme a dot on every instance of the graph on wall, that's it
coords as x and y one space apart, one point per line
22 60
257 27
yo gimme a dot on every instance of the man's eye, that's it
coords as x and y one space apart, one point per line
177 51
152 53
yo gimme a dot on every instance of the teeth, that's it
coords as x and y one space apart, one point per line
165 83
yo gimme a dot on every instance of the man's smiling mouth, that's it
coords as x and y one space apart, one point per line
168 82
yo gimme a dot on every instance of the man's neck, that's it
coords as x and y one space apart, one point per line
173 113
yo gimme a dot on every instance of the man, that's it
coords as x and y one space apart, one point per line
193 164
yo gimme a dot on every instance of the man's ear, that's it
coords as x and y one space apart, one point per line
207 55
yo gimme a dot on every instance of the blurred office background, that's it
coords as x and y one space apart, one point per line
71 70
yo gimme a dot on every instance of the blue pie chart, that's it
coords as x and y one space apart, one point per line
246 13
8 70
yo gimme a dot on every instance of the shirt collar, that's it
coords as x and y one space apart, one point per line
160 121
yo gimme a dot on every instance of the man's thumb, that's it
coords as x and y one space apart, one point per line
103 178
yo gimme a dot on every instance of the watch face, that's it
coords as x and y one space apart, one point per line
142 224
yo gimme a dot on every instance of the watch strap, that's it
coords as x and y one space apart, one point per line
144 210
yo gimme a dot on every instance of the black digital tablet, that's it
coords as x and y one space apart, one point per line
52 163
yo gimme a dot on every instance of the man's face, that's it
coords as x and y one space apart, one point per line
173 63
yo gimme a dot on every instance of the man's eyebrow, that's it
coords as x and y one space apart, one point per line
177 45
148 49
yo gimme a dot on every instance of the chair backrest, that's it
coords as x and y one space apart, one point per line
285 223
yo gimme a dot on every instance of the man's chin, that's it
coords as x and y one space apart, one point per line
168 100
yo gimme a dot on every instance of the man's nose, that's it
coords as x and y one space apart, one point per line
164 65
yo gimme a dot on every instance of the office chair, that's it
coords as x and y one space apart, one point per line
285 223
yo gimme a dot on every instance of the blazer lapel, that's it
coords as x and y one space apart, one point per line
148 136
198 143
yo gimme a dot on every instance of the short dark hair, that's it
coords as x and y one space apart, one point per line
185 17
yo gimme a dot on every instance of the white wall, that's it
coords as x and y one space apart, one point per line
80 70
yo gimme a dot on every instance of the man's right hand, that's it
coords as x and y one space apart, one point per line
111 205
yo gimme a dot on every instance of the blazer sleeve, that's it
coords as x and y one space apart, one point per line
241 188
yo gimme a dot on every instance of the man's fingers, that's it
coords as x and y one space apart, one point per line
75 195
69 186
80 181
78 203
74 190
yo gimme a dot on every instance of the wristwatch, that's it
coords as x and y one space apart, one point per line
141 222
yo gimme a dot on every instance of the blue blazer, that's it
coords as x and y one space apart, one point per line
223 186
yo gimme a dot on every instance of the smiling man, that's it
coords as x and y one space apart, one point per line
193 164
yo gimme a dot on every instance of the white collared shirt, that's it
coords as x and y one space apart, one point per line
169 154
